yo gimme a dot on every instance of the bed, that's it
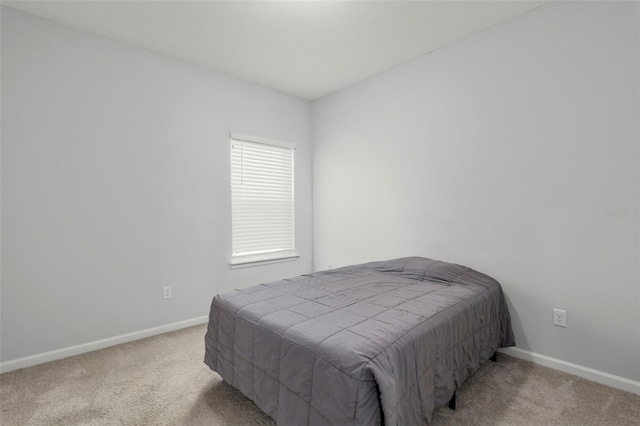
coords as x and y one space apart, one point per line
377 343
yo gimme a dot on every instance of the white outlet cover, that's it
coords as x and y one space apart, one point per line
166 292
560 317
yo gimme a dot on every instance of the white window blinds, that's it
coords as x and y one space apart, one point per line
262 199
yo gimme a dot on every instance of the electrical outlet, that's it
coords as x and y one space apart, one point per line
559 318
166 292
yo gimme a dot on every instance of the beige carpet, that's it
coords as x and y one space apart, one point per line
163 381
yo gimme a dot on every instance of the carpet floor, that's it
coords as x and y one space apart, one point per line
162 380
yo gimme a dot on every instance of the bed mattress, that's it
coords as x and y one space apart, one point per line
378 343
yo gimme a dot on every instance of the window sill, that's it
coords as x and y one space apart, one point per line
247 261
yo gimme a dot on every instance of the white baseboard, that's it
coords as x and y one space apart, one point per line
598 376
29 361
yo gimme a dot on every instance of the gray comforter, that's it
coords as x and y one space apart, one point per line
382 342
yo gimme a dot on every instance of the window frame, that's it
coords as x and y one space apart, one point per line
244 260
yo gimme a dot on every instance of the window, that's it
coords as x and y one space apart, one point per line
262 202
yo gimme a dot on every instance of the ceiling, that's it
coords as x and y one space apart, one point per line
305 48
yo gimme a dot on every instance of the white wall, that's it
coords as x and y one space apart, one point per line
115 165
502 152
